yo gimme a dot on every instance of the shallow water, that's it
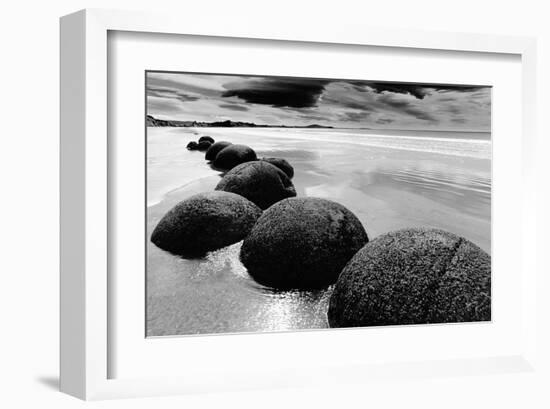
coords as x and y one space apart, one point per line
389 181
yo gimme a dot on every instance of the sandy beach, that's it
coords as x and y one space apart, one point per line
390 180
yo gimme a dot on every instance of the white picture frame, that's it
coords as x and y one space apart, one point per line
85 296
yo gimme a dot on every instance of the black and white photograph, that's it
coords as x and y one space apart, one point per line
286 203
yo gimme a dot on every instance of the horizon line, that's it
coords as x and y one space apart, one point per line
313 125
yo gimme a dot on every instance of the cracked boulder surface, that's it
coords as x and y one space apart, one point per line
413 276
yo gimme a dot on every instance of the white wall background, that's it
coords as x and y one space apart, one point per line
29 146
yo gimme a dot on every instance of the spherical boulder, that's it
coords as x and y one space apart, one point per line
215 148
203 146
281 164
413 276
258 181
206 138
192 146
302 243
205 222
234 155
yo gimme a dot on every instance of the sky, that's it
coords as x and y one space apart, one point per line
330 102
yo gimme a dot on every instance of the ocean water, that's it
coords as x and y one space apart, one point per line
389 179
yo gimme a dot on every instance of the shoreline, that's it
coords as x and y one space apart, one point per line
418 134
328 128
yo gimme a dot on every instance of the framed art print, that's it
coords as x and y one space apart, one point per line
330 162
240 203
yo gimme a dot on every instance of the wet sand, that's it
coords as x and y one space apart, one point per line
388 181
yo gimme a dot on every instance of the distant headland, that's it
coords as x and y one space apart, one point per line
152 121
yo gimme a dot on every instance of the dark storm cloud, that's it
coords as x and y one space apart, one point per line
170 93
419 91
278 92
234 107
